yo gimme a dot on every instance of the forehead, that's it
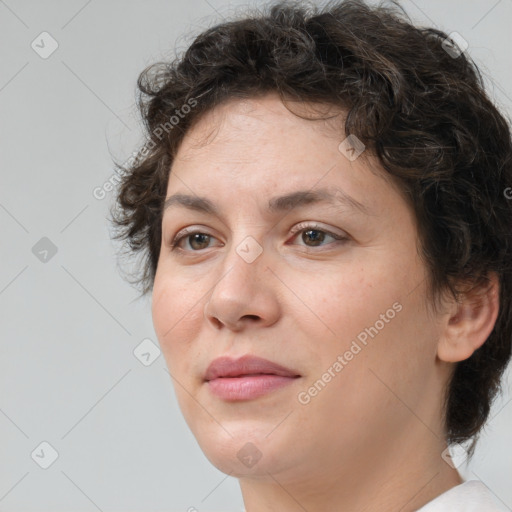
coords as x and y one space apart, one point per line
258 148
264 118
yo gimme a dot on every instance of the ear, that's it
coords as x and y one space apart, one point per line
469 321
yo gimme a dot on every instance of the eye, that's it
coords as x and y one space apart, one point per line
197 240
315 234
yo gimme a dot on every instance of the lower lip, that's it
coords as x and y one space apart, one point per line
247 387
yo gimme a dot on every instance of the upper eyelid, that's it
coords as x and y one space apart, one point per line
296 228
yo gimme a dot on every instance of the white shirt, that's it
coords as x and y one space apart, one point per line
470 496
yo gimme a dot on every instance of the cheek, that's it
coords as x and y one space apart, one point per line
368 313
346 302
177 316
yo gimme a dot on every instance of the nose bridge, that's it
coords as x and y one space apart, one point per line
242 289
246 233
244 263
249 250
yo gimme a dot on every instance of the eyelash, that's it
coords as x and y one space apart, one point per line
296 230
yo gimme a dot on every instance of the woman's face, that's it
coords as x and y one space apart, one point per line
329 287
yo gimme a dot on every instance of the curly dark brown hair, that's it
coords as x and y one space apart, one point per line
418 105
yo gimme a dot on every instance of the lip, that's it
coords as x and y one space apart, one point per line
246 365
246 378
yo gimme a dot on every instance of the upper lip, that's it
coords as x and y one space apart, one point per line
246 365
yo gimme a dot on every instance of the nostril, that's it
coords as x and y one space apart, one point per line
252 317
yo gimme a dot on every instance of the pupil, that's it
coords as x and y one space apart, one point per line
200 238
318 238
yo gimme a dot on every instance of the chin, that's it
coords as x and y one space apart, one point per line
248 451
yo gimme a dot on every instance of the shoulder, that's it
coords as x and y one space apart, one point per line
470 496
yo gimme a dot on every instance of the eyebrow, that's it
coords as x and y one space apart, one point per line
276 204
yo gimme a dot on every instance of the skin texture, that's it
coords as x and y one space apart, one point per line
372 438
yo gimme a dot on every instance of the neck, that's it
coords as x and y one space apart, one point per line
404 476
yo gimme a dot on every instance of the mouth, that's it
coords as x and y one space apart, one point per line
246 378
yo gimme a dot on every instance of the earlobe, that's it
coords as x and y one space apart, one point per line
469 322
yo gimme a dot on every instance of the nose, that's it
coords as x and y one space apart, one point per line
244 294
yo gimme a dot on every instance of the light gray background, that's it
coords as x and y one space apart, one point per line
69 326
